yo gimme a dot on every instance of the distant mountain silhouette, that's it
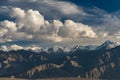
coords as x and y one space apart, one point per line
101 62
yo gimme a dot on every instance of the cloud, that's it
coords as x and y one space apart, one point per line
21 36
65 7
76 30
30 24
22 0
17 12
105 24
11 26
113 22
9 31
4 48
6 28
15 47
51 9
4 9
2 32
12 47
30 20
56 21
110 26
18 47
33 48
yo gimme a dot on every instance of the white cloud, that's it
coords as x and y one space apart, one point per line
110 26
12 47
18 47
51 8
112 22
23 0
65 7
76 30
21 36
33 23
9 31
30 24
30 20
34 20
2 32
4 48
11 26
15 47
17 12
33 48
6 29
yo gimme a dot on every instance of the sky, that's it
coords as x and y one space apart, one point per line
66 23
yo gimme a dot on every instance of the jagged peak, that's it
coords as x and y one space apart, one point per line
56 48
109 44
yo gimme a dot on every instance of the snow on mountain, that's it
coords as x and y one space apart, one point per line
58 49
89 47
108 45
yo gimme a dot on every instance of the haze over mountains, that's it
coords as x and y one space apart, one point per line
86 62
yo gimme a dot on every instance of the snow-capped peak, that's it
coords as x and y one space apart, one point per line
109 44
57 48
89 47
106 45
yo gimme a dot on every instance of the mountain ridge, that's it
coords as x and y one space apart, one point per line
92 64
108 44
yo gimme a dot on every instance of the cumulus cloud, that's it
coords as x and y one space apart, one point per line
6 27
17 12
30 24
31 20
11 26
2 32
9 31
76 30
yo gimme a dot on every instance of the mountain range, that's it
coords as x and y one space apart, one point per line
93 62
